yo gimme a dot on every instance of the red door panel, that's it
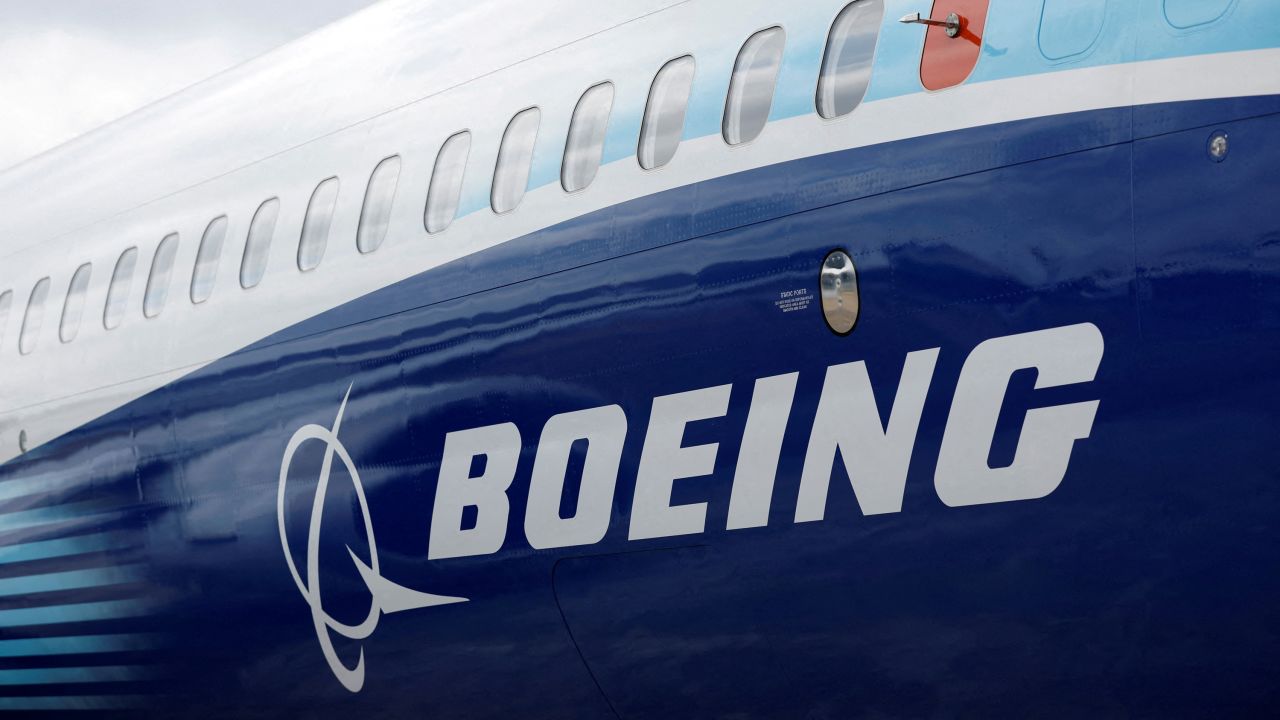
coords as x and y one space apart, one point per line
947 61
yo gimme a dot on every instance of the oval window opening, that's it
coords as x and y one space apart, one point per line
585 147
445 192
34 318
315 228
6 302
379 197
755 76
257 246
846 64
73 308
158 280
121 287
515 160
664 115
206 269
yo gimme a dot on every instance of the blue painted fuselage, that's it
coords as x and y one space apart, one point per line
1144 584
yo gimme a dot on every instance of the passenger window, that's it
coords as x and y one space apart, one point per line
378 199
257 246
446 182
515 159
585 146
118 293
73 308
315 228
158 280
755 75
34 318
206 270
6 301
846 66
664 114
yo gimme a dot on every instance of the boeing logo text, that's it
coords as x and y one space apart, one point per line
847 422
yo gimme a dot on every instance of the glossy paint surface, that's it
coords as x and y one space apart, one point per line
189 502
146 542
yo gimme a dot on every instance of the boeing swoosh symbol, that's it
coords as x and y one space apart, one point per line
388 597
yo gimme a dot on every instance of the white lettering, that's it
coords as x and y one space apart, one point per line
457 490
761 447
605 430
664 460
1063 356
875 458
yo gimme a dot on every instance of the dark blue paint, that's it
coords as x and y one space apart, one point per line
1143 586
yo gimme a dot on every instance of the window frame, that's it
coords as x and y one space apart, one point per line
645 116
310 217
733 84
527 166
826 53
461 183
159 292
83 275
42 287
6 309
266 247
598 161
117 284
213 264
390 204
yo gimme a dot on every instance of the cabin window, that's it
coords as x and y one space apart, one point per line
158 281
73 308
206 270
755 74
446 182
585 147
257 246
118 292
515 159
315 228
665 113
846 65
34 318
378 199
6 302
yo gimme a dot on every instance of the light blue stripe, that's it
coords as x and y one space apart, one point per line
99 702
1132 31
71 580
80 612
62 547
59 676
37 486
76 645
47 515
